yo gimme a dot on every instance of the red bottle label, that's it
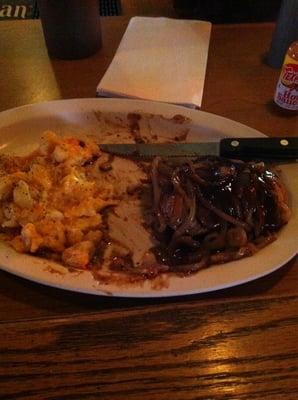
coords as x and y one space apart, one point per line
286 95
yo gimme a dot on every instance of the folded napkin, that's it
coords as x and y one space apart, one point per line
160 59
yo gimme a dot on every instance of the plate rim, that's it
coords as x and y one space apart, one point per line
141 102
132 104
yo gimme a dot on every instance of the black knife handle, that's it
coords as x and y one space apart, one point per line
260 148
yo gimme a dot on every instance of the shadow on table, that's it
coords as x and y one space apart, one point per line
84 74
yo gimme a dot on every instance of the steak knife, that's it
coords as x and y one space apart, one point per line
274 148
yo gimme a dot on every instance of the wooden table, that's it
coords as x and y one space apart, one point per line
239 343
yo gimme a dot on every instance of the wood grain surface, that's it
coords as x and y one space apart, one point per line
235 344
163 8
228 350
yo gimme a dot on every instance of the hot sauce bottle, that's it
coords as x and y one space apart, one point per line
286 94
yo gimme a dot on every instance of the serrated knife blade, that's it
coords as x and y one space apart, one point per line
280 148
162 150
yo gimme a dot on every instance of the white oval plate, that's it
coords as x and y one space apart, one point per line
20 130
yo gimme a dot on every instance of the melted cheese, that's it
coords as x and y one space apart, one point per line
53 201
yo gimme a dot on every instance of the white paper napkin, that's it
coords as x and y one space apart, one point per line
160 59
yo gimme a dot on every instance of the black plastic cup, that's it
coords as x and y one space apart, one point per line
71 27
